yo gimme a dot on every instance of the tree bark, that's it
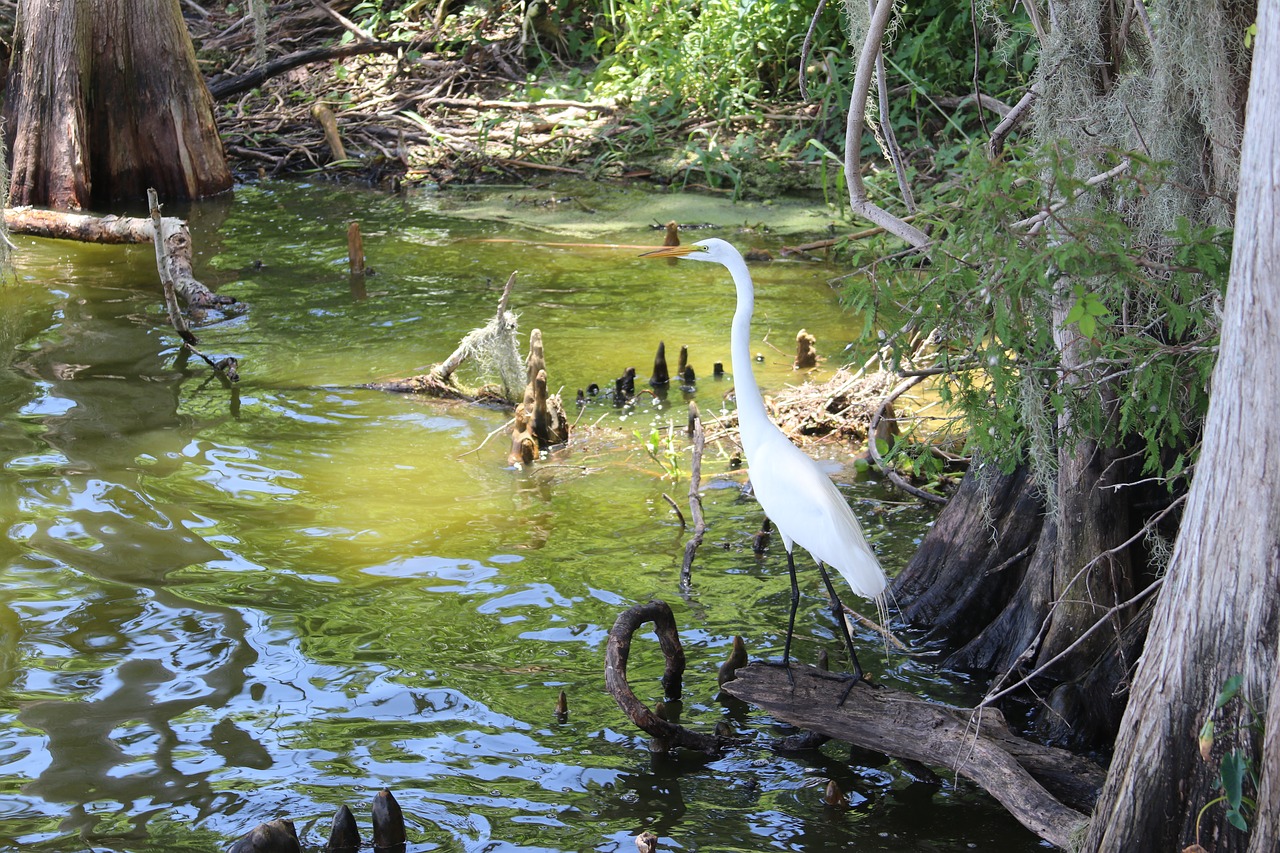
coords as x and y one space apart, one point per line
1218 613
105 100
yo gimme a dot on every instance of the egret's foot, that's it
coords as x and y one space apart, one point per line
786 665
851 680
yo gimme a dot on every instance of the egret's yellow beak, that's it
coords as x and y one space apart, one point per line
672 252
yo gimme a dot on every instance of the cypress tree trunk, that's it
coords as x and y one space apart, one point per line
1218 614
105 100
1017 602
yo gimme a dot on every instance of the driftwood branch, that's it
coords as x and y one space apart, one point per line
695 499
858 200
977 745
667 735
60 225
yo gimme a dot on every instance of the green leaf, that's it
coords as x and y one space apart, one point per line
1088 325
1229 690
1076 313
1234 765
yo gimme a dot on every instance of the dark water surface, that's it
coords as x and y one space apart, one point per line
216 611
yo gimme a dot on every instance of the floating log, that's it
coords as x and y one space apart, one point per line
345 836
660 378
276 836
60 225
806 352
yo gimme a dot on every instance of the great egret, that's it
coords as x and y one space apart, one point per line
793 491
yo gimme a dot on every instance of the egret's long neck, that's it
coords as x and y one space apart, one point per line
752 419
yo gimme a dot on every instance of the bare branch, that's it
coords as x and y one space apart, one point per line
858 200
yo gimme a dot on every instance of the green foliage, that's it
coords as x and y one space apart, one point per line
660 444
1005 301
1237 775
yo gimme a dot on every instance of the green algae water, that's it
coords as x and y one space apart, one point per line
219 607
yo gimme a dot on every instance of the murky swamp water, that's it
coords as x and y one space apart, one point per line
216 610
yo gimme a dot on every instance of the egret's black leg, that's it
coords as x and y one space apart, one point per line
837 611
795 603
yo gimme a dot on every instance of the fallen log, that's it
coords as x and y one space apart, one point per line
61 225
1020 774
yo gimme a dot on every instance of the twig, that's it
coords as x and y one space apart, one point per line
675 508
1034 223
492 433
348 25
1011 120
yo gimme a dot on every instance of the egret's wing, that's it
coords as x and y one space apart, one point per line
806 506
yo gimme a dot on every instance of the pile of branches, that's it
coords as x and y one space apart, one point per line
839 409
428 106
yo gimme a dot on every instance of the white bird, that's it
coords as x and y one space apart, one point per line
793 491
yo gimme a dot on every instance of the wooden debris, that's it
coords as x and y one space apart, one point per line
667 735
438 381
647 842
695 499
329 124
59 225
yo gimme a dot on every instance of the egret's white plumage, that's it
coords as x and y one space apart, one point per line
796 495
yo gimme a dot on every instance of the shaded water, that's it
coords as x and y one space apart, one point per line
219 609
